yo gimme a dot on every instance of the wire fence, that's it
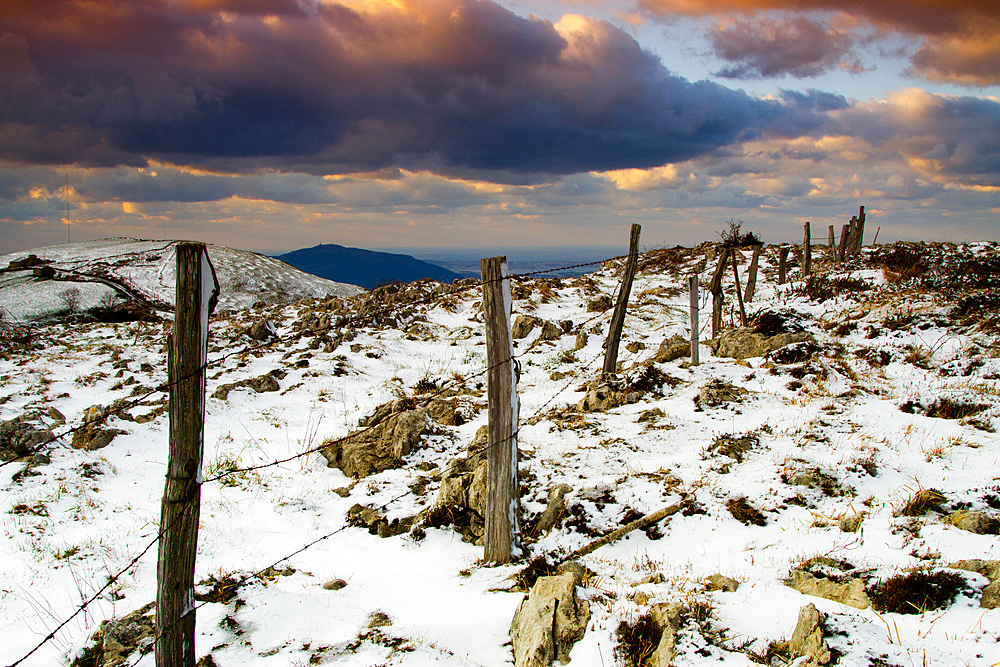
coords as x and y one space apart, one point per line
122 407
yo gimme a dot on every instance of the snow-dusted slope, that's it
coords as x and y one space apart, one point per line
148 267
898 394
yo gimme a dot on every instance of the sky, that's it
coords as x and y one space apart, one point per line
272 125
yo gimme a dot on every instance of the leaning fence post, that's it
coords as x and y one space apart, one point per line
718 296
752 274
693 287
739 293
833 246
807 251
197 291
845 233
502 535
618 318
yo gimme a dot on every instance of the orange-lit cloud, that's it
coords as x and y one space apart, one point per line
959 40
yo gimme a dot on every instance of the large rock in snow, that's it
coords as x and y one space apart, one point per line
550 619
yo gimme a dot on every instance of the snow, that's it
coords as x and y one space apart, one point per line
92 512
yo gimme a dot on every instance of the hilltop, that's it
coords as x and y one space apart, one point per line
366 268
852 469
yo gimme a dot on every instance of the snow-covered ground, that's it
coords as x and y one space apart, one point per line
148 267
835 418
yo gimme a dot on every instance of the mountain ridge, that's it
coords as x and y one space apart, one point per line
365 268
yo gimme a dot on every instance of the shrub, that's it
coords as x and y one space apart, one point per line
916 592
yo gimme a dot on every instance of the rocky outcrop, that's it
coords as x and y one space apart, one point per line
744 343
830 579
989 569
94 434
461 500
672 348
976 522
808 640
20 438
719 392
380 446
259 384
549 620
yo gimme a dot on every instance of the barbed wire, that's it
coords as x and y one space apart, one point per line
470 452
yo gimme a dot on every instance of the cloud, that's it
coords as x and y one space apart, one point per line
455 86
958 40
796 46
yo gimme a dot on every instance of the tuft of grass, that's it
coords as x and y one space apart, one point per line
917 592
745 513
921 502
637 640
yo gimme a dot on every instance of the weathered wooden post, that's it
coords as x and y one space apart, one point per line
502 535
845 233
618 318
807 251
752 274
782 264
739 292
833 246
718 296
693 287
859 233
197 292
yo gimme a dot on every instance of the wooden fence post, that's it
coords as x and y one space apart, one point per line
833 246
618 318
693 287
718 296
807 251
782 264
502 535
845 233
197 291
752 274
739 293
860 232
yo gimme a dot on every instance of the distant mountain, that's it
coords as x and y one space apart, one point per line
366 268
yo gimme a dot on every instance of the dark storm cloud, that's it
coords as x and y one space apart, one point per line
442 84
796 47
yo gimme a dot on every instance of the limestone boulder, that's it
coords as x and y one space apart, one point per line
808 640
549 620
600 304
743 343
718 392
523 325
380 446
675 347
989 569
980 523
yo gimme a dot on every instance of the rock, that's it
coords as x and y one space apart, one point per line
651 415
57 417
989 569
635 346
718 392
667 617
445 412
720 582
852 522
851 592
744 343
95 436
601 397
979 523
263 330
581 340
373 519
378 619
550 331
117 639
261 383
523 325
553 513
19 438
334 585
808 638
600 304
380 446
549 620
672 348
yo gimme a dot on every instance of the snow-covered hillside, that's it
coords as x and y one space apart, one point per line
863 452
145 269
